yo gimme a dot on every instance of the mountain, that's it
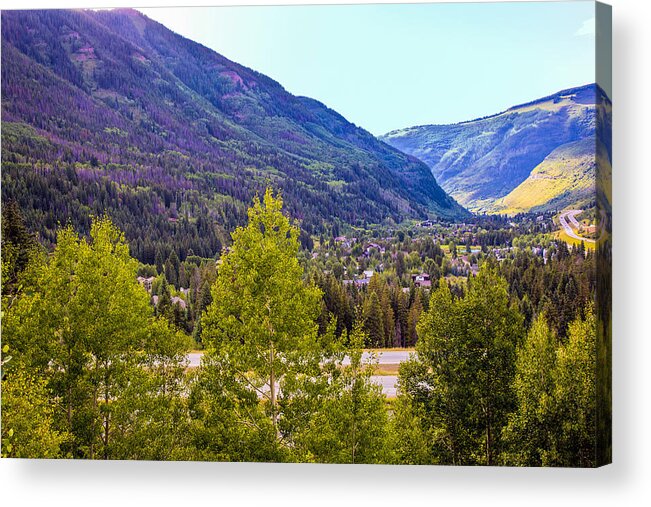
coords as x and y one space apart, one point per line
111 111
534 156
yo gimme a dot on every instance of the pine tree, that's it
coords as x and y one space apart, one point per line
413 317
374 321
19 248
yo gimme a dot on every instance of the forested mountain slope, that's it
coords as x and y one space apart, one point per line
109 111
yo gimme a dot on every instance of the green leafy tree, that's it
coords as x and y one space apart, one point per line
431 408
462 377
350 423
573 441
261 325
530 428
151 415
28 417
86 326
555 420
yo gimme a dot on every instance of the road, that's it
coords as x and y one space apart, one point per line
385 356
388 382
571 216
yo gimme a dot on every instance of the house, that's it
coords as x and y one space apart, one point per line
427 223
422 280
368 273
371 246
175 301
179 301
146 282
344 241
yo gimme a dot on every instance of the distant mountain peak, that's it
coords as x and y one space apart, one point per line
479 162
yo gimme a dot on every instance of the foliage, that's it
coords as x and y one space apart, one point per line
106 378
461 378
261 325
86 326
555 421
532 425
350 423
28 417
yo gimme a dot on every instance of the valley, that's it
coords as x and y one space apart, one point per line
200 265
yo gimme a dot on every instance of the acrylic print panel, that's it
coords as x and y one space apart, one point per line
238 234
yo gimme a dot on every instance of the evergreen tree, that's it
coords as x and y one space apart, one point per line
374 321
19 248
158 260
413 316
165 307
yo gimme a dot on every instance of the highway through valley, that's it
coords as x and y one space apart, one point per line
569 217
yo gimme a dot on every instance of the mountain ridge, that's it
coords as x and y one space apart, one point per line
127 104
481 161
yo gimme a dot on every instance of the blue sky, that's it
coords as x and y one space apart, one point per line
392 66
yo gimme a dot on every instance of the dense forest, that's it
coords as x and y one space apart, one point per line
503 370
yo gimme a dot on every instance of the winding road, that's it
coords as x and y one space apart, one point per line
569 228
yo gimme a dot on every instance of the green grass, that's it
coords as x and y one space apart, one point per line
387 369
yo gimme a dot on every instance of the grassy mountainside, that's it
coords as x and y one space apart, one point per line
566 177
481 162
110 111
